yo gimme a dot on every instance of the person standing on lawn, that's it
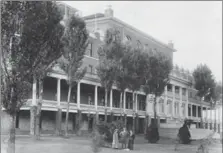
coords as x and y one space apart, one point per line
115 140
124 138
131 140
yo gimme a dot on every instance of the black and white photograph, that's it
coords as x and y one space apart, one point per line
111 76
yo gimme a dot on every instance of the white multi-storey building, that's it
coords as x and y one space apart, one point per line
177 103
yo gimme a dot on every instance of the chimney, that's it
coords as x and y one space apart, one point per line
170 44
109 11
79 14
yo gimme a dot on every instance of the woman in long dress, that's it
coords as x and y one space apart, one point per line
115 141
131 140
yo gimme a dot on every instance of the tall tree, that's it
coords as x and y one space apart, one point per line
107 66
75 44
26 52
205 84
157 77
136 72
122 74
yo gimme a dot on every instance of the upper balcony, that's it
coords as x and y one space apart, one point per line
181 73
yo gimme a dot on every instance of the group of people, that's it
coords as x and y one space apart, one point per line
125 137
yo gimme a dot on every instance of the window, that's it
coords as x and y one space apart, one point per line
189 110
146 46
139 44
89 50
161 106
91 69
117 35
169 87
177 89
169 103
190 95
183 109
184 91
176 108
155 50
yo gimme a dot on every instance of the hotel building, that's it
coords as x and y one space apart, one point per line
177 103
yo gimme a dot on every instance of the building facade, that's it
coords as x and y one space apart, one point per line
87 106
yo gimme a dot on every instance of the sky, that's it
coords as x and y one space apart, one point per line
195 27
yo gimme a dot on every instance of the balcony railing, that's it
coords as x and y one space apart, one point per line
73 106
184 98
142 113
129 111
87 107
177 95
170 93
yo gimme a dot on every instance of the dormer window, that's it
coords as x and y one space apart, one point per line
128 38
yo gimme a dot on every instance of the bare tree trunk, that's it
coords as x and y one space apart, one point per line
106 105
201 114
67 113
11 142
38 113
32 120
154 109
33 110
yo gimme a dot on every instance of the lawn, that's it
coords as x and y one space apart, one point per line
51 144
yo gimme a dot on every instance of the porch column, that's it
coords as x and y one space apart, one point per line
173 104
211 115
219 115
78 94
191 110
215 119
111 99
121 101
219 119
207 120
33 108
186 105
202 117
59 110
124 107
96 97
180 107
58 92
197 111
136 104
165 101
206 112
